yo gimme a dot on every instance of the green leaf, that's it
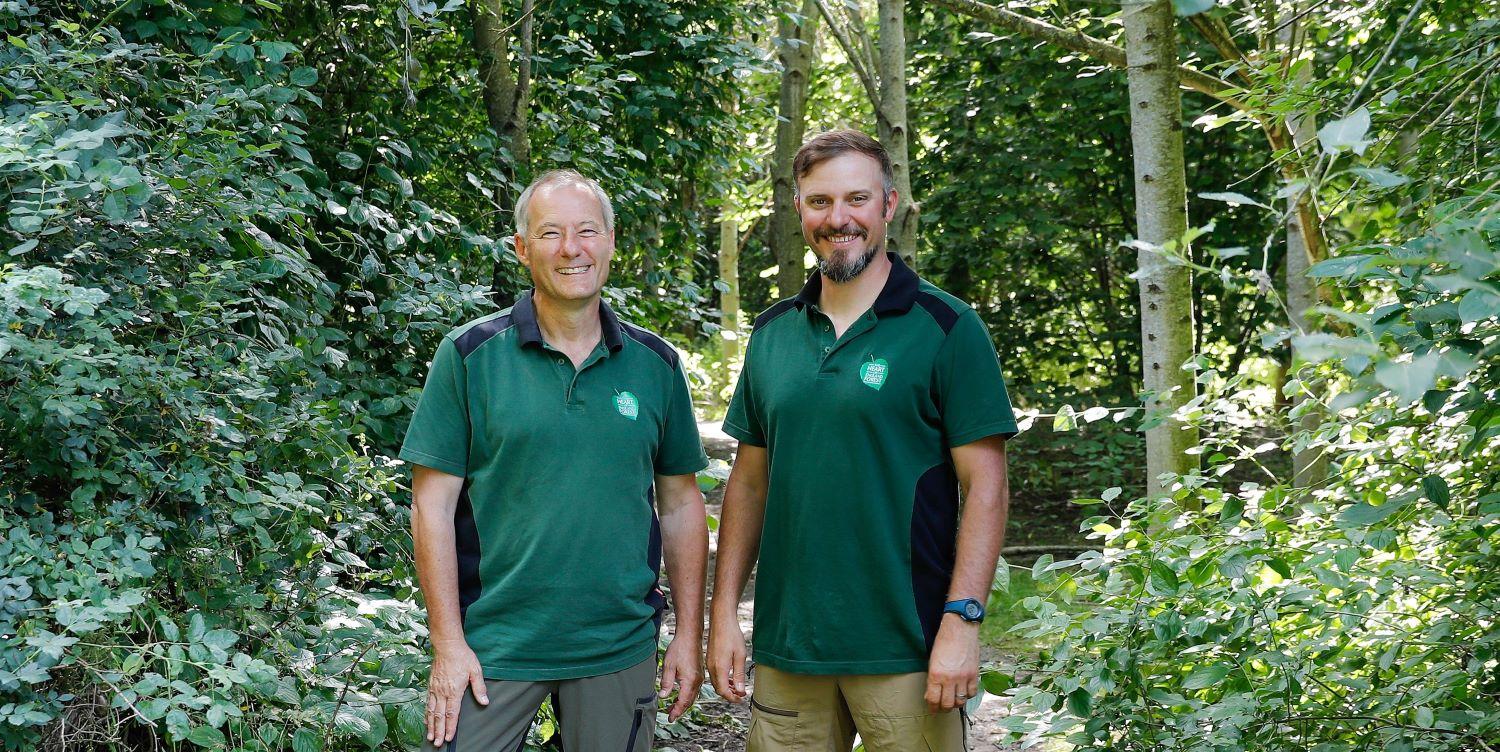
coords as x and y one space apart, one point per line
1436 490
1163 580
1279 566
1380 177
411 722
1206 676
995 682
1185 8
307 740
1341 265
1233 199
222 639
1064 420
1363 514
1039 567
1001 583
304 76
1409 381
1080 703
1346 133
1233 511
349 160
206 736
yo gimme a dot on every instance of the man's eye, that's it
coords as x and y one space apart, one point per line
588 233
857 200
550 234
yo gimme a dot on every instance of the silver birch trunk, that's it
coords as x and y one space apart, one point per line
891 123
794 49
1161 218
506 94
1309 466
729 297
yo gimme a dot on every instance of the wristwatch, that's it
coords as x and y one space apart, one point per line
967 609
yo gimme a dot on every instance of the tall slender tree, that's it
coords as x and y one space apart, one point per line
795 40
880 67
504 53
1161 221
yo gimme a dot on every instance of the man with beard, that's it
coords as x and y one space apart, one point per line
538 438
865 404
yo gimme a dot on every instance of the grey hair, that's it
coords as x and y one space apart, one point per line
562 177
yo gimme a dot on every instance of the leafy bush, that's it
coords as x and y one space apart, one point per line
199 543
1357 614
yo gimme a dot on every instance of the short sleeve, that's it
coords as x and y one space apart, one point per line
971 388
681 448
439 433
742 420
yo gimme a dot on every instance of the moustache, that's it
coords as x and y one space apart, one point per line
850 230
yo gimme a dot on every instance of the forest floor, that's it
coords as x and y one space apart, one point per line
719 726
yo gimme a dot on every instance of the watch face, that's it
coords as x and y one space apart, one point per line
971 610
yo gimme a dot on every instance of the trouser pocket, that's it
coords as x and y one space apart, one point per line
772 729
642 725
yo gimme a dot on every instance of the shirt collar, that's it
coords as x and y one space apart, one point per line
524 316
898 295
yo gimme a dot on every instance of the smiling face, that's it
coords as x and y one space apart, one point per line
567 246
844 214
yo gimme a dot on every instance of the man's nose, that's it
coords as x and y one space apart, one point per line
572 244
839 216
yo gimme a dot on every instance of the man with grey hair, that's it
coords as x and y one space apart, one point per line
543 436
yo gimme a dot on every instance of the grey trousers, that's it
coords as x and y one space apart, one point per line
610 713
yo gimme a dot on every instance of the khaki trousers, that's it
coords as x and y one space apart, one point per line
806 713
609 713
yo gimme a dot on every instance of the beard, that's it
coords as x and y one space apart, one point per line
842 268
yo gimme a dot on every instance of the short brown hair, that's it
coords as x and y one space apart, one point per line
830 144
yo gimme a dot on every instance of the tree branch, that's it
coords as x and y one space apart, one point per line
865 76
1114 55
1218 35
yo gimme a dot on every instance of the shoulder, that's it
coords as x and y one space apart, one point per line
470 336
651 341
774 312
944 309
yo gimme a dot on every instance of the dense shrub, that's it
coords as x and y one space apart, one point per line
198 542
1356 614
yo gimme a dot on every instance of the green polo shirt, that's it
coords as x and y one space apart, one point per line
858 545
559 548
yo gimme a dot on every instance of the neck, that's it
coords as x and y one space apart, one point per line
854 297
568 322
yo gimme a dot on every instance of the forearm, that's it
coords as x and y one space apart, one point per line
739 542
684 533
436 557
981 531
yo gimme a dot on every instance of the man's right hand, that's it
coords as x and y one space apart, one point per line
455 669
726 659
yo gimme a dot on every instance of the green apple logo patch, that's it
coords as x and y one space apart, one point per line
627 405
873 373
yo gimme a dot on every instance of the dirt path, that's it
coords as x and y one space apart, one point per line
721 725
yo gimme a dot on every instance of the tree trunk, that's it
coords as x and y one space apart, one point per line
506 93
1308 465
890 119
794 50
1161 218
729 297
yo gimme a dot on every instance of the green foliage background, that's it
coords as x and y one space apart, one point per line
233 234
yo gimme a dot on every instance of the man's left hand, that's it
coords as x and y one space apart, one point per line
953 669
682 668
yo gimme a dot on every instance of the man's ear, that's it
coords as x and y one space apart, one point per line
892 199
519 244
